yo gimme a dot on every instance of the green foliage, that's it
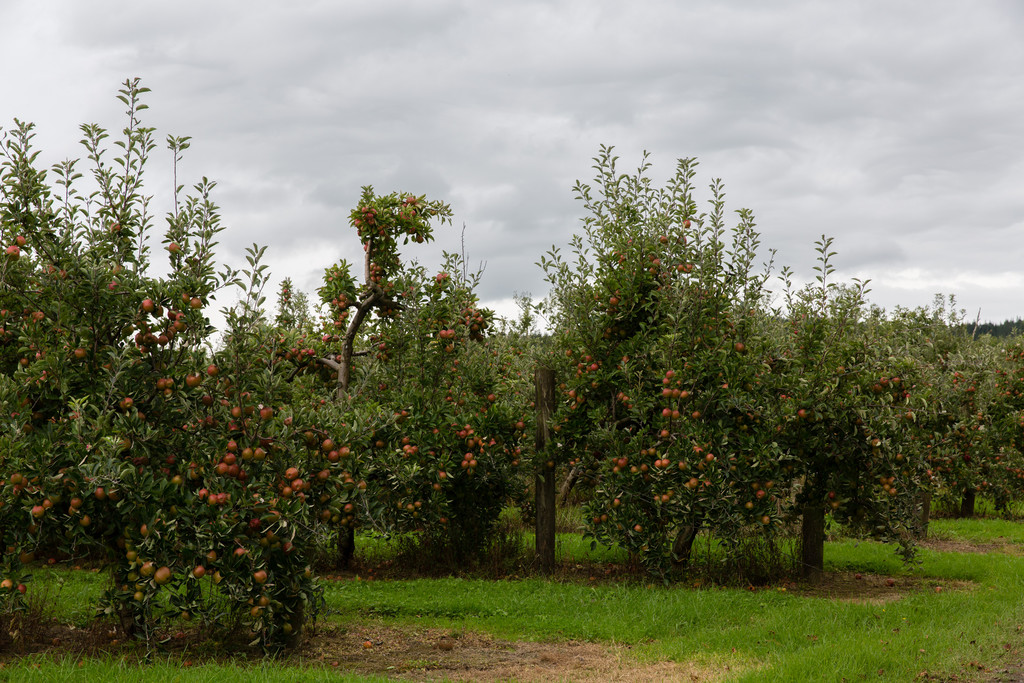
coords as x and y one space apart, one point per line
661 349
445 461
118 433
842 403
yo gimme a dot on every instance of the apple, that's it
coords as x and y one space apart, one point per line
14 252
260 576
162 575
174 248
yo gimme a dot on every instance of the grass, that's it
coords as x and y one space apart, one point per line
46 670
978 530
788 636
778 633
68 594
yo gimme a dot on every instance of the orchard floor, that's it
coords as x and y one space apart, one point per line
389 651
371 643
430 654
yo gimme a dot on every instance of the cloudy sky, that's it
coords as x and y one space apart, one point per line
895 126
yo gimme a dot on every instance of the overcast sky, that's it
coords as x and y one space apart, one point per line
895 126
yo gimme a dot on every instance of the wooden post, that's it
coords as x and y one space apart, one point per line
812 543
926 512
544 478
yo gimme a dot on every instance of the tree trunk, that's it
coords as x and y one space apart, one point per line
812 546
682 547
545 475
967 504
926 511
570 481
346 546
296 621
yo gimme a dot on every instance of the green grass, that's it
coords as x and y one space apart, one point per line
69 595
47 670
772 634
978 530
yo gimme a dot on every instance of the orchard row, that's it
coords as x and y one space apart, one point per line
685 401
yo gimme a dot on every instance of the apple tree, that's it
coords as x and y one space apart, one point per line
123 436
843 400
445 459
662 360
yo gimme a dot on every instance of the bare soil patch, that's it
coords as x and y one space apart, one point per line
435 654
874 589
949 545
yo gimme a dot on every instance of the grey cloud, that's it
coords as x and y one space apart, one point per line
894 126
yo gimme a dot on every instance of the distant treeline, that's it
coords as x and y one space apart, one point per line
1006 328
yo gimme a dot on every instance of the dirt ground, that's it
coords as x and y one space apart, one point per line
432 654
946 545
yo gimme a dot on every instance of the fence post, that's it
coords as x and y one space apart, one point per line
544 477
812 543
